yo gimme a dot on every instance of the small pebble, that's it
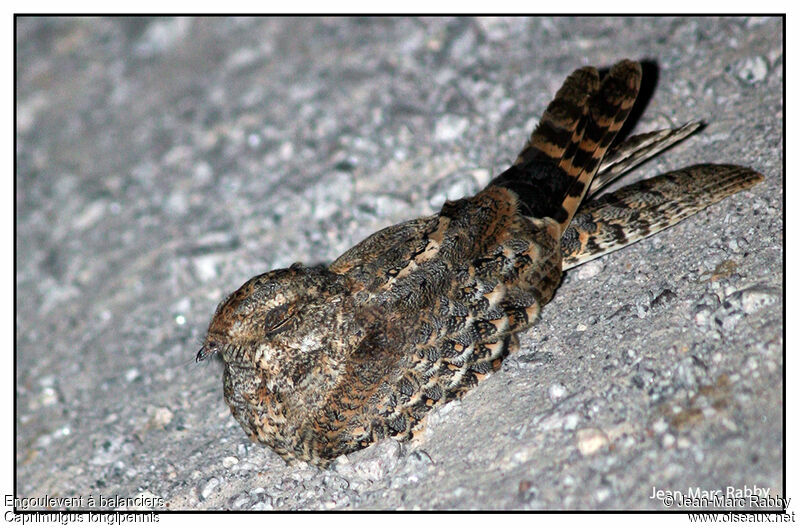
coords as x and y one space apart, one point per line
160 416
209 487
557 392
49 396
591 440
660 426
571 421
450 127
602 494
589 270
263 505
752 70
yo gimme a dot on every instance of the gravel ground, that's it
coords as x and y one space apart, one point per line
161 163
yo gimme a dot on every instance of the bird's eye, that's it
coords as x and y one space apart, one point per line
277 318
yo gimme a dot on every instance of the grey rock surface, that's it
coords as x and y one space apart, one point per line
163 162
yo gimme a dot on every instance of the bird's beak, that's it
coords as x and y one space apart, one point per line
202 354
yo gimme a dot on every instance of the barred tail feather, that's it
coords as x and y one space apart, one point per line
608 110
642 209
553 172
635 150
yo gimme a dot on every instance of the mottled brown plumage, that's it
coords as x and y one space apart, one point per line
321 361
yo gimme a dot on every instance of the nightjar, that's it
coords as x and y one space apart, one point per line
324 360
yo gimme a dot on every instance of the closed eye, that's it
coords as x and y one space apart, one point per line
277 318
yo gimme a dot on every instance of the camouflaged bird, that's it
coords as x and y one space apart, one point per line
324 360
